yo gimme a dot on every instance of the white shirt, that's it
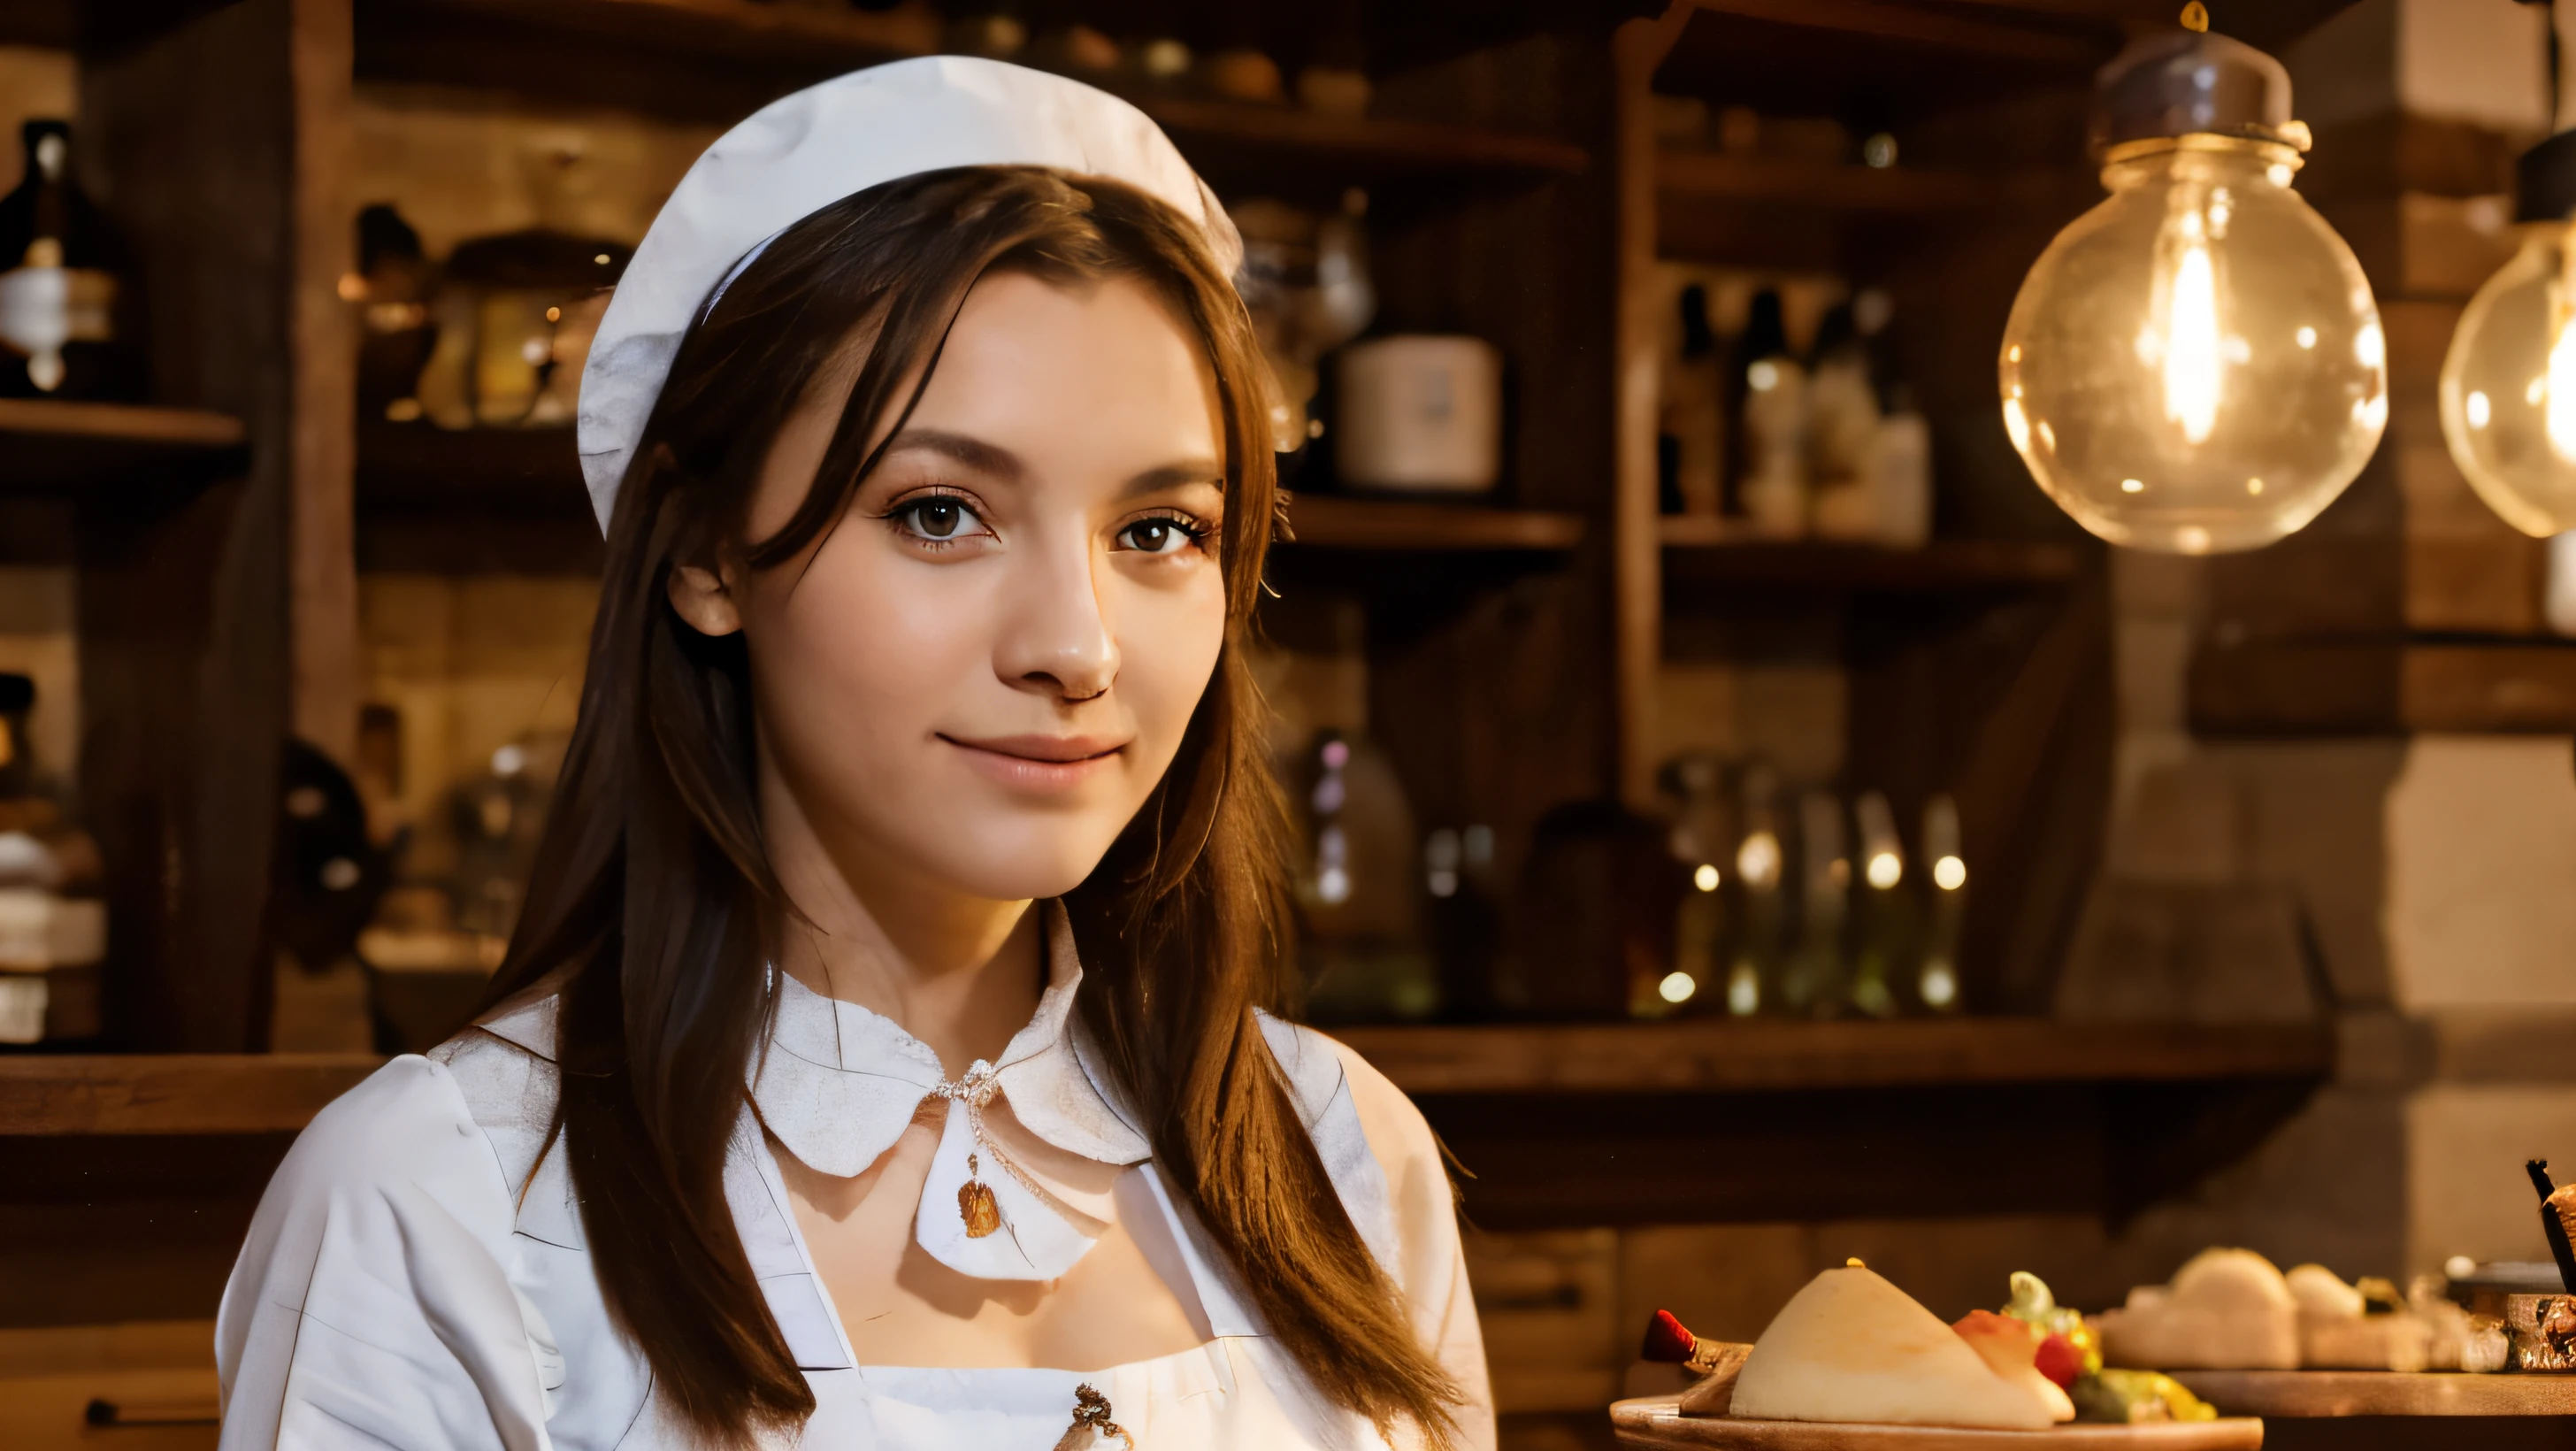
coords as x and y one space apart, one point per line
398 1289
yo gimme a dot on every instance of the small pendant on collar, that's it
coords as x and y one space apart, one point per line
1092 1429
975 1204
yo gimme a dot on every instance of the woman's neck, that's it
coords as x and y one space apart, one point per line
958 972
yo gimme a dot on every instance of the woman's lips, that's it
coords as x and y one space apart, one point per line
1039 763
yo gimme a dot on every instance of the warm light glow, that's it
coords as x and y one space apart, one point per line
1677 987
2202 329
2191 338
2480 410
2560 399
1763 375
1705 878
1949 874
1743 991
1885 870
1940 984
1758 859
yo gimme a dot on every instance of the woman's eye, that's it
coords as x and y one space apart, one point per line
938 517
1157 536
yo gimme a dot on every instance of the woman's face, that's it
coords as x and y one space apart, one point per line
978 676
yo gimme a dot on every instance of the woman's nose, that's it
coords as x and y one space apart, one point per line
1057 636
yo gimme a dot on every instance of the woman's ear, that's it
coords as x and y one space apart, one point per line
704 599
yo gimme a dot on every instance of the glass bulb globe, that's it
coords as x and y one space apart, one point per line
2195 365
2509 386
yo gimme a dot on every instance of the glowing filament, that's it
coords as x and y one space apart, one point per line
1677 987
2191 340
2560 397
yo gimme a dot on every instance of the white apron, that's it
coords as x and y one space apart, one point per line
417 1278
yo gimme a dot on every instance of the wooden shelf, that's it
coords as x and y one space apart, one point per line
46 444
1329 521
1683 178
1231 140
2366 686
1717 553
1716 1056
718 60
46 1095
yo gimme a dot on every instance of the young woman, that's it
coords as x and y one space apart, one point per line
881 1059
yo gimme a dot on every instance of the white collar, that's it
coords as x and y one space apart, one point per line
837 1084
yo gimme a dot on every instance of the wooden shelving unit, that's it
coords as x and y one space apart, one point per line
1327 521
1684 178
55 1095
47 445
1712 553
2364 685
58 1095
1717 1056
719 59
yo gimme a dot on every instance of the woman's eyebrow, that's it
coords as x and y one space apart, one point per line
975 453
1178 475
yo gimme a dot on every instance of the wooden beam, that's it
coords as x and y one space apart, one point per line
322 337
1638 47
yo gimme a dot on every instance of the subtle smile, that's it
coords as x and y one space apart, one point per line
1039 763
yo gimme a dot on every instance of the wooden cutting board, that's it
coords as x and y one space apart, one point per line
1655 1421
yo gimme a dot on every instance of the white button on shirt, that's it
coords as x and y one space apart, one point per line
397 1288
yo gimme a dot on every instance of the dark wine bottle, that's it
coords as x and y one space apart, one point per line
67 310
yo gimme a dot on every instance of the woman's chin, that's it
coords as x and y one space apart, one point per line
1015 858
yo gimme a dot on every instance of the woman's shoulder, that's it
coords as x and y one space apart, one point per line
1380 1153
1321 1068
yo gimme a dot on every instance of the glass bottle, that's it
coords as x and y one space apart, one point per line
1937 984
1815 985
1767 422
1466 920
1697 841
1758 964
1364 947
1883 930
67 300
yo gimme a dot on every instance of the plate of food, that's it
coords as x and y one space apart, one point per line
1854 1362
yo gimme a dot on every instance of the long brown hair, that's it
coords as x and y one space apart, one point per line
652 906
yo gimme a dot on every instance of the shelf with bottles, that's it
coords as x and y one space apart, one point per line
1235 114
49 444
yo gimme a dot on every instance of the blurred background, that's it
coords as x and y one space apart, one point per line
1751 819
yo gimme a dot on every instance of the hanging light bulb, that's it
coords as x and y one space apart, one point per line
2508 387
2195 365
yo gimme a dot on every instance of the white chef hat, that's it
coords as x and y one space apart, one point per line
804 152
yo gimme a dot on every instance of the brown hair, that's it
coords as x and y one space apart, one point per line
652 905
